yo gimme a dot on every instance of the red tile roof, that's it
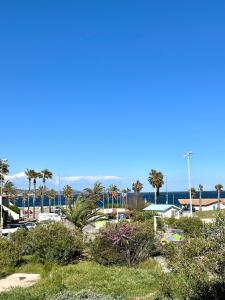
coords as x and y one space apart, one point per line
196 202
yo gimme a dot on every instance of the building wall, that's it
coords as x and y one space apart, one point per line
171 212
210 207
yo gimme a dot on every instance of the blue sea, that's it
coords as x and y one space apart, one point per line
172 198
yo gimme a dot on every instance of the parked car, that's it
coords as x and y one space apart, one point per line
43 217
10 228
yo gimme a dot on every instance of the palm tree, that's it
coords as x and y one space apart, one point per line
137 187
24 197
113 189
193 193
218 188
44 174
82 213
51 194
156 180
4 169
29 173
200 187
68 194
34 175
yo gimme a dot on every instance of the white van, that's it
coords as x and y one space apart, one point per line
49 217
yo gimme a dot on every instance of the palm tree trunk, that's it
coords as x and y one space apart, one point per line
34 199
136 199
155 197
42 196
200 202
218 205
157 194
49 204
28 201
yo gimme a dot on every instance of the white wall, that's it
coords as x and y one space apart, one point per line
210 207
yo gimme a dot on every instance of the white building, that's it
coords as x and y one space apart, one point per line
164 210
207 204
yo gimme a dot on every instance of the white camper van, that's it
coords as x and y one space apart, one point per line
43 217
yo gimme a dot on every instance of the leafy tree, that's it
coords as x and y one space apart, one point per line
219 188
193 192
156 180
10 191
34 175
4 169
68 195
24 198
51 194
200 187
44 174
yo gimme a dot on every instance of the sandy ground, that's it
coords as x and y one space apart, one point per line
18 280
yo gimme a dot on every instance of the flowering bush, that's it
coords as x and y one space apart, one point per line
124 243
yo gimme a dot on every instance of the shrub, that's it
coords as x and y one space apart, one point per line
124 243
54 242
84 294
9 256
14 208
191 226
21 241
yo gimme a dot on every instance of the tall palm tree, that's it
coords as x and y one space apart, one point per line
24 197
137 187
68 195
29 174
4 169
113 189
156 180
34 176
51 194
200 187
219 188
193 193
44 174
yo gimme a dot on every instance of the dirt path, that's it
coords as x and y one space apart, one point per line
18 280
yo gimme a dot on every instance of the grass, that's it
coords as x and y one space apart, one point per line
209 213
117 281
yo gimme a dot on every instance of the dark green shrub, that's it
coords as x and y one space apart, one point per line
124 243
84 294
191 226
55 243
9 256
14 208
21 241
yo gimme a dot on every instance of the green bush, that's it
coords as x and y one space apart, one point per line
14 208
191 226
55 243
84 294
9 256
21 241
124 243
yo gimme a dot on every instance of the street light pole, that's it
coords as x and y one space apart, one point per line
166 189
188 155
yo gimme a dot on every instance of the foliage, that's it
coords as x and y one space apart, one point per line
156 179
14 208
84 294
68 194
9 256
137 186
124 243
111 280
191 226
83 212
53 242
200 263
21 241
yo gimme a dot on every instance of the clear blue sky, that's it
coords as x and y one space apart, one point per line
114 88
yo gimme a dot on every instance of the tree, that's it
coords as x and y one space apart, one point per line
34 175
44 174
218 188
24 197
10 191
156 180
29 173
95 192
193 193
113 189
200 187
68 194
83 212
137 187
4 169
51 194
